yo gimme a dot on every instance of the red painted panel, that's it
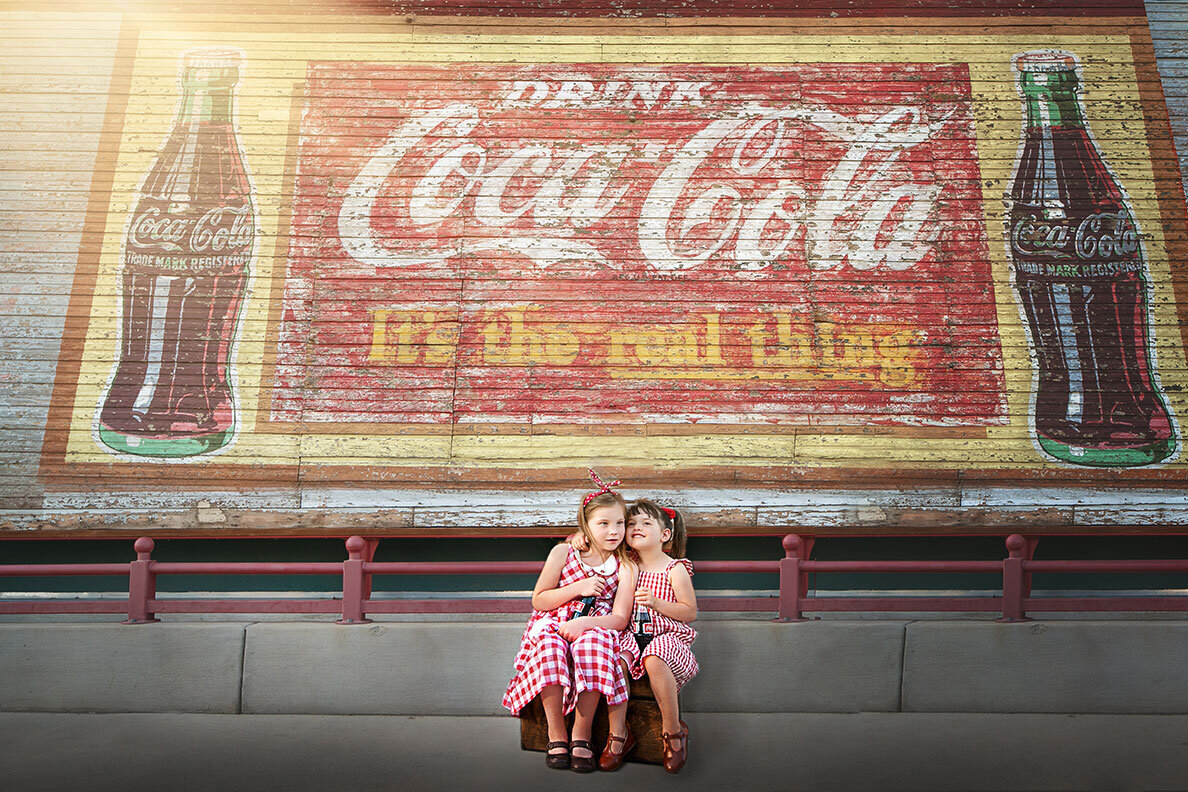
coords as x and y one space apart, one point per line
477 243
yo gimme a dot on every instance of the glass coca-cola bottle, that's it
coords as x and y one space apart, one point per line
186 261
1081 280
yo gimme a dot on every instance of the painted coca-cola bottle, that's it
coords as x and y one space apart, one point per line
1081 279
186 261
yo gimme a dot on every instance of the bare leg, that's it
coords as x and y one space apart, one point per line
617 713
664 688
552 697
583 719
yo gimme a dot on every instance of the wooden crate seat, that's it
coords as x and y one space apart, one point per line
643 718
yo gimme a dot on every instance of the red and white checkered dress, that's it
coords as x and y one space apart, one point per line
671 639
546 658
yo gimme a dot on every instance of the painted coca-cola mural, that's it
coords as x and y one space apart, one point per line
771 256
596 244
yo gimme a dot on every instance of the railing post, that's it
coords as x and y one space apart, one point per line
353 585
792 587
1013 580
142 584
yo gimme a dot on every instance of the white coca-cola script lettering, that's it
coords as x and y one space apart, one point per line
222 229
1106 235
151 229
1109 235
864 212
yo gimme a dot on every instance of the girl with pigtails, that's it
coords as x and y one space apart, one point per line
665 603
568 654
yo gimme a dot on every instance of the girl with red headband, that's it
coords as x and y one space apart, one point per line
659 642
568 655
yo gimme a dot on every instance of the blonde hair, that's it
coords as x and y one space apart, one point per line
608 498
675 546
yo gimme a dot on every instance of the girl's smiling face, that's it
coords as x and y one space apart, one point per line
606 526
644 531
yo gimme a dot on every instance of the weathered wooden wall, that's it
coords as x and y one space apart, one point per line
406 362
1169 35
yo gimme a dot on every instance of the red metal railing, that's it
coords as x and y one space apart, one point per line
792 603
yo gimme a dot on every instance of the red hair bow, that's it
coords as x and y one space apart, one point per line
602 487
670 512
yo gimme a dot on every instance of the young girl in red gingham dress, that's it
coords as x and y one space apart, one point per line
660 637
568 654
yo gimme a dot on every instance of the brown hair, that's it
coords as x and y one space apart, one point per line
609 498
675 546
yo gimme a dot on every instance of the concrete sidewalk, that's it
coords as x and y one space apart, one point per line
845 752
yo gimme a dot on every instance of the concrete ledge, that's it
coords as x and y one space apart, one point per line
813 666
379 669
462 668
121 668
1094 667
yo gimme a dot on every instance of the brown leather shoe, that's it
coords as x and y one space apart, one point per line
610 761
581 764
674 758
557 761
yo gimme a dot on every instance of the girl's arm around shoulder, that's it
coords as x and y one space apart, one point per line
546 594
